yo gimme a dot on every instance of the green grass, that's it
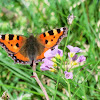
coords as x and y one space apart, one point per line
24 17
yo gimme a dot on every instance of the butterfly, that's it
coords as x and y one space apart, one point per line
25 50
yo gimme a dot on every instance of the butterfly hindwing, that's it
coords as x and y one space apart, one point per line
40 57
19 58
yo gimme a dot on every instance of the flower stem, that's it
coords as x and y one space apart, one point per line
38 81
69 89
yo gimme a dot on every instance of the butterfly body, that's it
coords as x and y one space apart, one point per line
32 48
25 50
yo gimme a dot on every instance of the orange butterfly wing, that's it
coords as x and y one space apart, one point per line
40 57
12 44
51 38
19 58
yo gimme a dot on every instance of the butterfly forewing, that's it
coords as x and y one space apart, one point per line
12 43
51 38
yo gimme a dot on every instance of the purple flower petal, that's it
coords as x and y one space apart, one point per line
46 65
75 57
81 59
73 49
52 53
56 47
48 62
69 54
68 75
48 54
60 52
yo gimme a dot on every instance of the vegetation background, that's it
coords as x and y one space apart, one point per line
24 17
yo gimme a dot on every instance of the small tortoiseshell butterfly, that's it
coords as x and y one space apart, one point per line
24 50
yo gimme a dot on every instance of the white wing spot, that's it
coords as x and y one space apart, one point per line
0 36
61 29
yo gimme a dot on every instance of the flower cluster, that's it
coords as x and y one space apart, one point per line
49 63
74 59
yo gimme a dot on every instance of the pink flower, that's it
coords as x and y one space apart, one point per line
73 49
47 65
72 55
81 59
52 53
75 57
68 75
